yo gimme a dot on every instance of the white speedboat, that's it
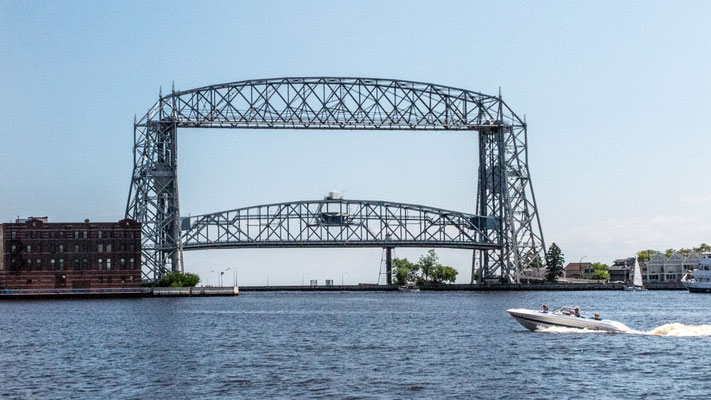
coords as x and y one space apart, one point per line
699 281
637 285
564 317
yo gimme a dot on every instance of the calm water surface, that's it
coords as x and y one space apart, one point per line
351 345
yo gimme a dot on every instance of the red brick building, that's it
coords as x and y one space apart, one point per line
36 254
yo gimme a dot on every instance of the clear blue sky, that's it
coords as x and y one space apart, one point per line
615 94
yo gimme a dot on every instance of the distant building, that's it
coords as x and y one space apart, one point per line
578 270
36 254
661 268
621 270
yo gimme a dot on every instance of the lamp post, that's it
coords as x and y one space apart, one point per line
302 278
581 267
234 275
343 273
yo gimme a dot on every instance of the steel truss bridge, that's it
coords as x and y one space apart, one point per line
504 231
338 223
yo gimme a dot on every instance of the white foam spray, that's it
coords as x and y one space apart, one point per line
673 329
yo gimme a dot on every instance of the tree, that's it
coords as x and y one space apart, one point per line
645 255
427 270
427 263
554 263
703 248
669 252
443 273
404 271
179 279
600 271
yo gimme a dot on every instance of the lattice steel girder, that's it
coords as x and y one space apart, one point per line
504 187
338 223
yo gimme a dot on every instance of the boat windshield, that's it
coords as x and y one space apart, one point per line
571 311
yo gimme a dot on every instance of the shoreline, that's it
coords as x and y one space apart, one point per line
155 292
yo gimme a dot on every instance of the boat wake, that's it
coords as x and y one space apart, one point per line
677 329
673 329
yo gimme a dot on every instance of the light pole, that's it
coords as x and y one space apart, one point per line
234 275
302 278
580 266
268 275
343 273
219 275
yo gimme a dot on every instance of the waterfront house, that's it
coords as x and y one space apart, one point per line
621 270
654 268
578 270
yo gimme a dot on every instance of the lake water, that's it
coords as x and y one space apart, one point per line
353 345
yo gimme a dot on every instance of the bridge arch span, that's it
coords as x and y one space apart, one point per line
338 223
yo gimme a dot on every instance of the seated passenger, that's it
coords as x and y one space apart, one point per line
576 310
597 316
545 308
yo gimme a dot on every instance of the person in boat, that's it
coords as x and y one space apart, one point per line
597 316
545 308
576 311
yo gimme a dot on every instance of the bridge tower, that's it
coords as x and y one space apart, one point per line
505 203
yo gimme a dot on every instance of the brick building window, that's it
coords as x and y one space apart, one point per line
61 248
76 264
29 249
76 248
85 264
101 235
133 263
29 265
100 248
14 235
108 248
123 263
76 235
101 264
51 265
86 234
38 262
61 264
108 264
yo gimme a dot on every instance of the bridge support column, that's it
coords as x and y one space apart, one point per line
389 266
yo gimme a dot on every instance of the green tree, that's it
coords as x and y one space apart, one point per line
404 271
179 279
427 263
669 252
554 263
443 273
703 248
645 255
600 271
426 270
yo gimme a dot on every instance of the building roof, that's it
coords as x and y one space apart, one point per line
578 266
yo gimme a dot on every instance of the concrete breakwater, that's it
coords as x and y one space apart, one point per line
104 293
467 287
148 292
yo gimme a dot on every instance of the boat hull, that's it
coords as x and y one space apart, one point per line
635 289
698 287
536 320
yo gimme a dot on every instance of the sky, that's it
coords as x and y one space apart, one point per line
615 95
